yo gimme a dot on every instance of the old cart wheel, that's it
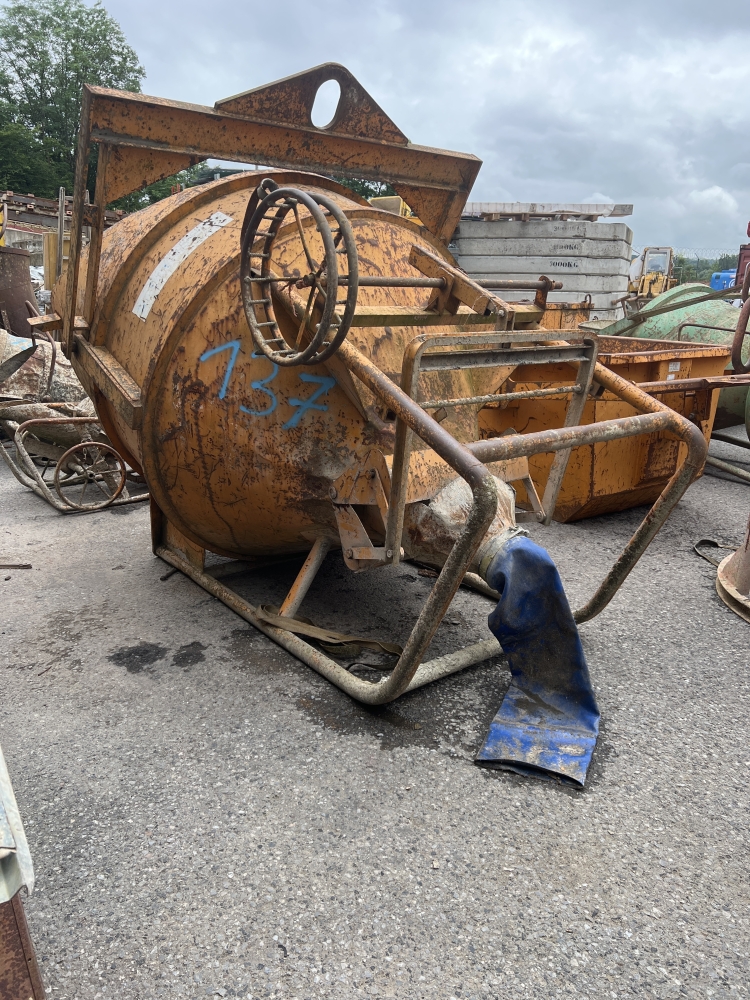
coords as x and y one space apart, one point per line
326 236
90 476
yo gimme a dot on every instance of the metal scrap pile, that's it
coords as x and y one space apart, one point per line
61 452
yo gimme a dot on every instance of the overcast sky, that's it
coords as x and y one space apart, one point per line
563 100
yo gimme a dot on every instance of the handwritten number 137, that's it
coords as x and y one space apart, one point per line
323 382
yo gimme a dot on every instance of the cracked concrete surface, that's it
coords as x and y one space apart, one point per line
208 817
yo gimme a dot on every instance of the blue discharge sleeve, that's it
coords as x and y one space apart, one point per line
548 722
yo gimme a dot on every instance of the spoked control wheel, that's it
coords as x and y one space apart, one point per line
90 476
332 266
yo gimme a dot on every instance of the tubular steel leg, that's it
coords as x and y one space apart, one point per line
537 510
369 692
399 482
572 419
305 577
733 470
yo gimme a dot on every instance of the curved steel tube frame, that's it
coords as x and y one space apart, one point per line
739 337
468 462
31 478
155 135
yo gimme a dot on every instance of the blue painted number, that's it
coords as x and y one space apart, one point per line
324 383
261 386
234 347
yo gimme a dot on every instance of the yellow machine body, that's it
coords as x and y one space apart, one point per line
654 274
239 453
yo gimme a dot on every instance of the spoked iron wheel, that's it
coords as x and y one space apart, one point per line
328 241
90 476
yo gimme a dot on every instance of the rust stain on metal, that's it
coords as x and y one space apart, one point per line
248 452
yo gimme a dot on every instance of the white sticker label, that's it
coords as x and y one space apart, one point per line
670 378
179 253
674 366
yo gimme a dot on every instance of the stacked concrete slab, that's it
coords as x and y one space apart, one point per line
590 258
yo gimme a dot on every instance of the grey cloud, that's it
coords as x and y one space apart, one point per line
642 102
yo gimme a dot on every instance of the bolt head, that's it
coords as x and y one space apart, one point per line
350 553
389 553
333 493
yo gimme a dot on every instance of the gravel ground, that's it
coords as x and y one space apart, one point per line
208 817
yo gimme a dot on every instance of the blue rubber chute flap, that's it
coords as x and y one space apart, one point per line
548 722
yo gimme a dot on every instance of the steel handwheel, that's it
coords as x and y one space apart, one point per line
90 467
325 320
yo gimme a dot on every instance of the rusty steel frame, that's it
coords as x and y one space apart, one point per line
468 461
499 397
654 416
32 480
143 139
499 349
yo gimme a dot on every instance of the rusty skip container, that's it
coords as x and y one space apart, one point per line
617 475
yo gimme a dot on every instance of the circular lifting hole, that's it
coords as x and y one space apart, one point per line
326 104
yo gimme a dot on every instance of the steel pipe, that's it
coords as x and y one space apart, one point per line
514 284
368 281
701 326
733 470
499 397
518 445
305 577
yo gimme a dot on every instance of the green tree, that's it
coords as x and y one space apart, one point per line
366 189
24 165
696 268
50 49
163 188
727 262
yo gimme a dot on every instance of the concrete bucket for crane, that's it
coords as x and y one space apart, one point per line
297 371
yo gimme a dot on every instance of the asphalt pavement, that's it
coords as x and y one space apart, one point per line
208 817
